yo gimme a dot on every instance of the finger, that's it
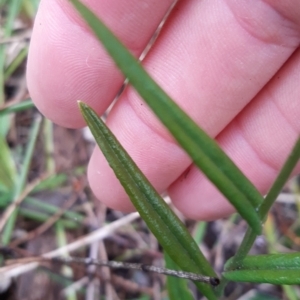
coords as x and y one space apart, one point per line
67 63
212 65
259 140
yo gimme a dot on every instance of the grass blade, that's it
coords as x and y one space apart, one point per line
270 268
26 104
164 224
66 271
20 183
16 63
203 150
280 277
283 176
177 288
13 9
250 236
44 207
281 179
28 156
43 217
7 165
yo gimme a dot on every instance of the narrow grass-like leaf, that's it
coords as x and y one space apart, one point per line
250 236
270 261
12 11
282 177
26 104
177 288
16 62
270 233
203 150
61 239
5 196
257 295
290 292
20 183
39 205
33 207
51 183
42 217
280 277
199 232
2 59
28 155
164 224
30 7
7 166
270 268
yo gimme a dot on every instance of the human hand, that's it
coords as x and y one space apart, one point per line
233 66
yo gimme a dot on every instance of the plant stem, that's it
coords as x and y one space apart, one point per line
250 236
280 180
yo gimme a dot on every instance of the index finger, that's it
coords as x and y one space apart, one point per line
67 63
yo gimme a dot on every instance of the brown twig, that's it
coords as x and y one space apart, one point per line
122 265
99 234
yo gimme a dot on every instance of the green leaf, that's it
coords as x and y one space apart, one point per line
26 104
5 197
6 29
203 150
282 177
51 183
39 206
164 224
269 268
8 171
177 287
22 178
16 62
290 292
262 296
42 217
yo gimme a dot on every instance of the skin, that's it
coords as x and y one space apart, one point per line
233 66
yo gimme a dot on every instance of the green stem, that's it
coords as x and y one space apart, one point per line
250 236
15 63
280 180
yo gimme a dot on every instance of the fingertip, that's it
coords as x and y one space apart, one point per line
66 62
62 68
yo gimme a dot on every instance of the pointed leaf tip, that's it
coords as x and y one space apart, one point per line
204 151
161 220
